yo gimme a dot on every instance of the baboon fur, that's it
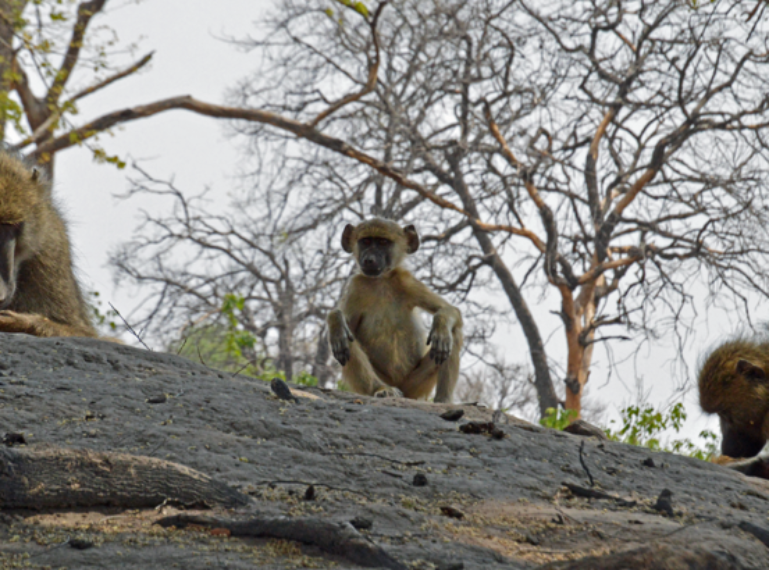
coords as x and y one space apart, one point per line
376 333
39 294
733 383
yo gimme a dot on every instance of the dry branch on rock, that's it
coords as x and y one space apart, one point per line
335 538
57 478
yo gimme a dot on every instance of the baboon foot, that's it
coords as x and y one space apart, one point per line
388 392
36 325
13 322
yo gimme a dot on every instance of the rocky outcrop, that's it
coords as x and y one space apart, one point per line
387 475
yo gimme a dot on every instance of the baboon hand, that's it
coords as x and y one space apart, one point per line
440 341
340 344
388 392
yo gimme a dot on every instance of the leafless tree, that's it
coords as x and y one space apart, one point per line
216 274
500 386
612 153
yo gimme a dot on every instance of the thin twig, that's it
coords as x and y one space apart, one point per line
584 465
130 328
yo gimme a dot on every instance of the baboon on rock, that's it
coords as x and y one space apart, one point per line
376 333
733 383
39 294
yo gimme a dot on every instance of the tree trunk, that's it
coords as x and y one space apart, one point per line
336 538
546 395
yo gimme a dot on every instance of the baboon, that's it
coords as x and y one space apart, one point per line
38 291
733 383
376 333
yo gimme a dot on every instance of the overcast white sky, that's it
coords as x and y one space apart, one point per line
190 59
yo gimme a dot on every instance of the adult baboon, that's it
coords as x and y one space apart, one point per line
39 294
733 383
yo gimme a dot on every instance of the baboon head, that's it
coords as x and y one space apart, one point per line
733 376
379 245
22 195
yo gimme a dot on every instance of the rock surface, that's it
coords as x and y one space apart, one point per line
435 497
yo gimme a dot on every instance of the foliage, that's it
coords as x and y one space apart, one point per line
230 348
54 54
558 418
236 339
643 425
104 320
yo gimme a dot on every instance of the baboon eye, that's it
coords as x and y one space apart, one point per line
366 242
18 228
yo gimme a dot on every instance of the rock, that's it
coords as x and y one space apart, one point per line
91 396
581 427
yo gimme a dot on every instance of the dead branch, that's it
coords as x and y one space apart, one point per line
57 478
340 539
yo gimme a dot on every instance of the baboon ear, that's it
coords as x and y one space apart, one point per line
347 238
412 238
750 370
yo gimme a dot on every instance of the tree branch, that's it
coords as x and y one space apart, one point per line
85 11
47 127
373 73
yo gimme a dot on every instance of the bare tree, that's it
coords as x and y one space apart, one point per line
500 386
235 281
612 153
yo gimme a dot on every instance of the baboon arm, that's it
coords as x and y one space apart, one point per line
38 325
433 303
446 329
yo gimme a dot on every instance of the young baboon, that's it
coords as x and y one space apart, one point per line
376 333
38 291
733 383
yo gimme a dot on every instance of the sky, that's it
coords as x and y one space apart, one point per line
190 57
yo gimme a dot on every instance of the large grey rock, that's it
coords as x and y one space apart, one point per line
362 456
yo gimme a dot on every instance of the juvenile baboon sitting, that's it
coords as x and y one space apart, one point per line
38 291
376 334
733 383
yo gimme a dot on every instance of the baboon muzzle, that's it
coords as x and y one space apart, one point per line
372 265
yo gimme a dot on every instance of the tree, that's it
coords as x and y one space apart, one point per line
235 286
609 153
51 58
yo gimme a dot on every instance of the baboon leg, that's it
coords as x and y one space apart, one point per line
757 466
427 374
421 381
37 325
361 377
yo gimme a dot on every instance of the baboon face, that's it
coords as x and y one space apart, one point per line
9 260
375 255
379 245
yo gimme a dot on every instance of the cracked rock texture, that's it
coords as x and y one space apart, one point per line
478 502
